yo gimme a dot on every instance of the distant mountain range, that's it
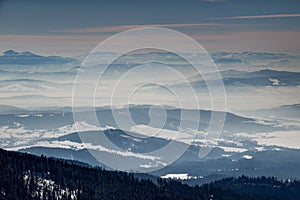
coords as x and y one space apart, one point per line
258 143
248 55
11 57
264 77
133 59
53 133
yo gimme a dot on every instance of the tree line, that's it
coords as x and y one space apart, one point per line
25 176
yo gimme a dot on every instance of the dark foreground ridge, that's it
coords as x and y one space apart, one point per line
25 176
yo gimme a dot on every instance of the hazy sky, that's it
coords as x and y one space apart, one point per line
75 27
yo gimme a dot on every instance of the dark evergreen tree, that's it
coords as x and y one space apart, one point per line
24 176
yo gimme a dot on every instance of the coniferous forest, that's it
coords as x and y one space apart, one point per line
25 176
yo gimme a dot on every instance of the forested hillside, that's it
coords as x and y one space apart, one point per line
24 176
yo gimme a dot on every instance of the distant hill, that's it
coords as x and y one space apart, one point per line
24 176
7 109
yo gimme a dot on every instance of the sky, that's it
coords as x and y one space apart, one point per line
71 28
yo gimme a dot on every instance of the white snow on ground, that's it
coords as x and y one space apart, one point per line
81 127
80 146
180 176
229 142
247 157
19 131
265 122
260 148
231 145
41 144
50 184
146 166
38 115
188 137
152 164
17 137
274 81
131 138
23 115
225 155
233 149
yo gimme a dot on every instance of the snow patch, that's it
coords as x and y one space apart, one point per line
79 146
247 157
274 81
180 176
23 116
81 127
233 149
